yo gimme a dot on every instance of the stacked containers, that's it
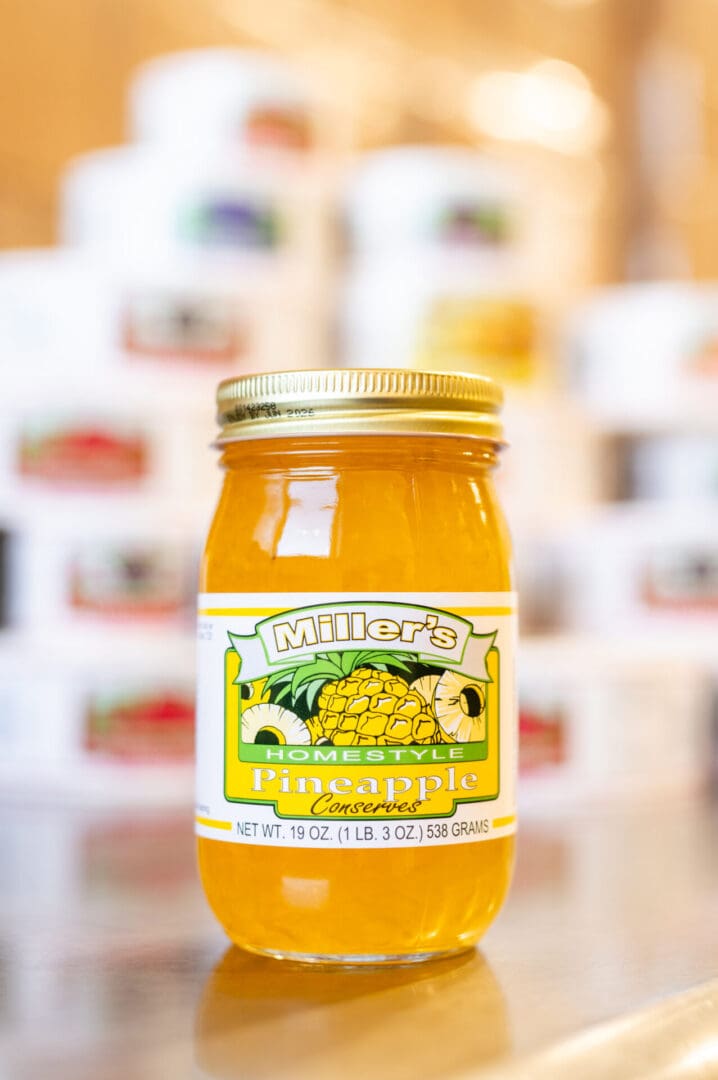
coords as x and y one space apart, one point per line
644 361
639 569
177 255
438 278
612 707
435 272
603 720
230 97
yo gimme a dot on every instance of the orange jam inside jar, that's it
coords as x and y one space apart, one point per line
356 739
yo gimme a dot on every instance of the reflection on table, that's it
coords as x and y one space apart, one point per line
111 966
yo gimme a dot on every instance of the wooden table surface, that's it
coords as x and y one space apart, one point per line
112 967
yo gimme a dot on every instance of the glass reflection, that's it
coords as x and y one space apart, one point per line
308 518
262 1019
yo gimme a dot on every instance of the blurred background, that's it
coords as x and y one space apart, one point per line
525 189
192 188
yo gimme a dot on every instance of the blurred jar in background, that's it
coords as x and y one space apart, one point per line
435 276
236 97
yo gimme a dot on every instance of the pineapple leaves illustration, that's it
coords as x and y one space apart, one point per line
361 697
370 697
307 679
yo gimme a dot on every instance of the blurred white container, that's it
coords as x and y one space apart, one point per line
554 466
205 474
644 568
133 697
94 572
193 479
220 320
36 724
675 466
231 96
78 449
648 353
53 312
108 719
143 723
423 197
129 446
92 434
551 474
61 312
605 722
538 579
165 320
215 204
438 312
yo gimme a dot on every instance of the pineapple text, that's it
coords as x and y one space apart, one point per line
397 794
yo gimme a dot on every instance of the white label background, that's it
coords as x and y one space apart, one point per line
221 819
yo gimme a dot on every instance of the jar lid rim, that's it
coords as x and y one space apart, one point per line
358 401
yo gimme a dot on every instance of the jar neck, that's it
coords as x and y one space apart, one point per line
360 451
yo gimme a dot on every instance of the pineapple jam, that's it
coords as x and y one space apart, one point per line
356 731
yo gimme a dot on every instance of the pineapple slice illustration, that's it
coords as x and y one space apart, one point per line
426 687
358 702
460 706
272 725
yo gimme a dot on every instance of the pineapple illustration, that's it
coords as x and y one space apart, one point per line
460 705
271 724
426 688
355 701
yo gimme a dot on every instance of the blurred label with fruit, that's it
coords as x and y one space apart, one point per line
701 360
230 222
199 329
380 722
491 334
82 453
154 725
471 223
129 580
280 128
542 738
682 579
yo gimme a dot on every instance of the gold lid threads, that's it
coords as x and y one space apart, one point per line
358 401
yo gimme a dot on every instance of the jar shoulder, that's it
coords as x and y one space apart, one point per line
427 527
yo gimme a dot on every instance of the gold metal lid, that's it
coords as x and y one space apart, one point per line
358 401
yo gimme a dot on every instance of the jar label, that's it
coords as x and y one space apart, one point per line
497 334
183 326
329 720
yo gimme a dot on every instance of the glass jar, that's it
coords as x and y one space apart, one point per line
356 741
